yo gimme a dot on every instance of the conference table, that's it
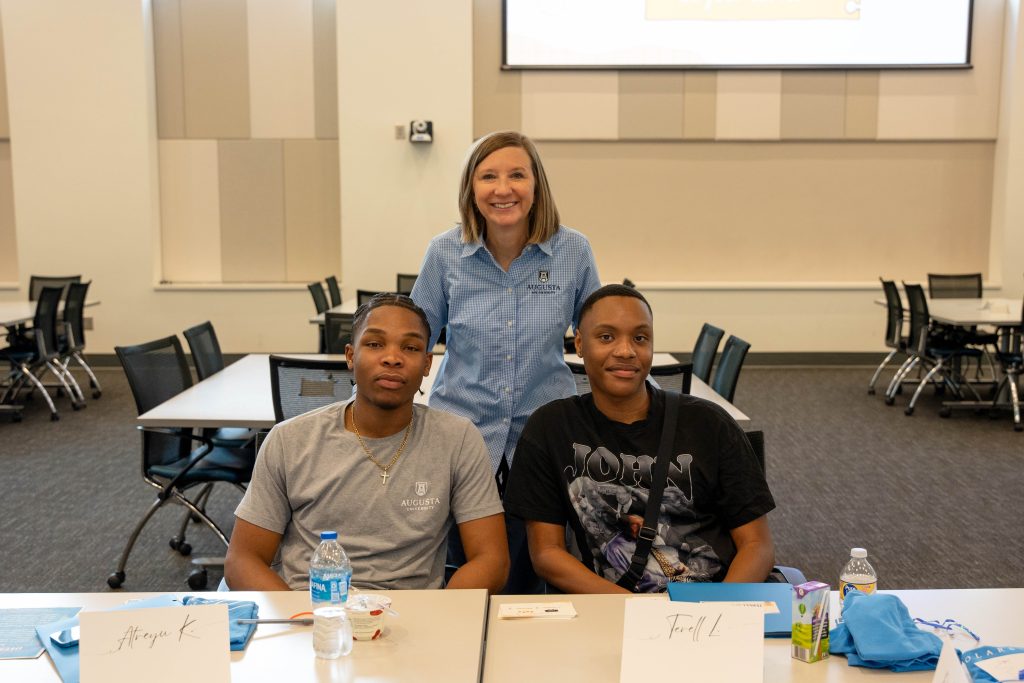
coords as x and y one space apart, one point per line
347 307
240 395
457 636
19 312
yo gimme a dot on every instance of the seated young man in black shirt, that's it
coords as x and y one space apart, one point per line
588 461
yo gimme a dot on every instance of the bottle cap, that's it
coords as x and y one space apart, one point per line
859 553
328 535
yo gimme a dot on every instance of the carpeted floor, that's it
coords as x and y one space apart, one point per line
936 502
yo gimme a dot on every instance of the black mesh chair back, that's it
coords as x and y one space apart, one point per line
894 314
727 374
965 286
74 319
579 376
44 323
316 290
705 349
917 338
676 377
404 283
300 385
37 282
337 331
335 291
363 296
157 371
205 349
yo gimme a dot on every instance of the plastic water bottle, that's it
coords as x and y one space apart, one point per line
330 574
858 574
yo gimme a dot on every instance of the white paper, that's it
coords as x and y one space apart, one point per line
536 610
661 638
949 669
1005 668
156 645
767 606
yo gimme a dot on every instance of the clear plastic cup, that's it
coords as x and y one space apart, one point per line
332 632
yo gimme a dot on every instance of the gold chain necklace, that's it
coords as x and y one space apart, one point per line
401 447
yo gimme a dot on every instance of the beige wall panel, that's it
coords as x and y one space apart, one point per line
748 105
325 69
281 68
8 232
861 105
785 212
312 213
5 127
189 211
948 105
700 105
215 56
497 94
813 105
170 76
651 105
252 211
571 106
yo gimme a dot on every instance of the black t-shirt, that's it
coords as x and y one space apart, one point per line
574 465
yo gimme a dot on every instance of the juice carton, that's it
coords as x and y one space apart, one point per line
810 621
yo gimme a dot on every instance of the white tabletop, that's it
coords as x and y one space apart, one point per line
17 312
589 647
240 396
413 647
967 312
348 307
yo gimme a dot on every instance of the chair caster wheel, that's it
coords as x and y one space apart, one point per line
54 417
197 580
115 580
871 392
174 543
908 411
16 417
184 549
889 400
945 412
1018 428
97 393
77 406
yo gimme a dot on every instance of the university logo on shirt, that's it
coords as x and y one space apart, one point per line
421 488
543 275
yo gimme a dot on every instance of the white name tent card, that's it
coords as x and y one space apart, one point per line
156 645
537 610
949 669
710 642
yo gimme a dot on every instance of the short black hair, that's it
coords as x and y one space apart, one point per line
611 290
387 299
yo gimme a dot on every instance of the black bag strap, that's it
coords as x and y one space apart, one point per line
659 476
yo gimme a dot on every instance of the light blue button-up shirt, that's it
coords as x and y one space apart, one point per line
504 356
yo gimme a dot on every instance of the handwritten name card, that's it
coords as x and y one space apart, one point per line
710 642
156 645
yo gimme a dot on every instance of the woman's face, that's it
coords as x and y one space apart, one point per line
503 186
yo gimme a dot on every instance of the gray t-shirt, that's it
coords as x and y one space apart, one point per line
311 475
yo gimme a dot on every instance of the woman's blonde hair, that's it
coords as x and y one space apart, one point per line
543 215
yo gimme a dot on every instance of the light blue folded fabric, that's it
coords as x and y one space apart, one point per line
877 632
237 609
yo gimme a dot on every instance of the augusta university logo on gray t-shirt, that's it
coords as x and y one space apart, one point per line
422 502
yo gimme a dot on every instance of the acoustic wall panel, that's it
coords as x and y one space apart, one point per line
861 119
497 94
280 42
189 211
813 105
312 211
252 210
215 57
8 239
5 126
651 105
748 105
325 69
170 69
571 106
699 105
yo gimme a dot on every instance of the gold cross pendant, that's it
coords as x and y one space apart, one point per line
383 477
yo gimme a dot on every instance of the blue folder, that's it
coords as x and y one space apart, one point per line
775 625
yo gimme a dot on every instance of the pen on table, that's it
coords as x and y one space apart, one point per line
301 620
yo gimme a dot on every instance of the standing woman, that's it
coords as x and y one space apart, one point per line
507 283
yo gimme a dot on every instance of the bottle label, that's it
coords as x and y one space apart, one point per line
334 590
846 587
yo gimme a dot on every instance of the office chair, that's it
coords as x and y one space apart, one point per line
676 377
72 342
1012 363
335 290
37 282
316 290
36 351
157 371
404 283
704 350
963 286
337 331
579 376
727 374
300 385
894 338
363 296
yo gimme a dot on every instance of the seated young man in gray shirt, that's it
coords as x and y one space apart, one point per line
390 476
